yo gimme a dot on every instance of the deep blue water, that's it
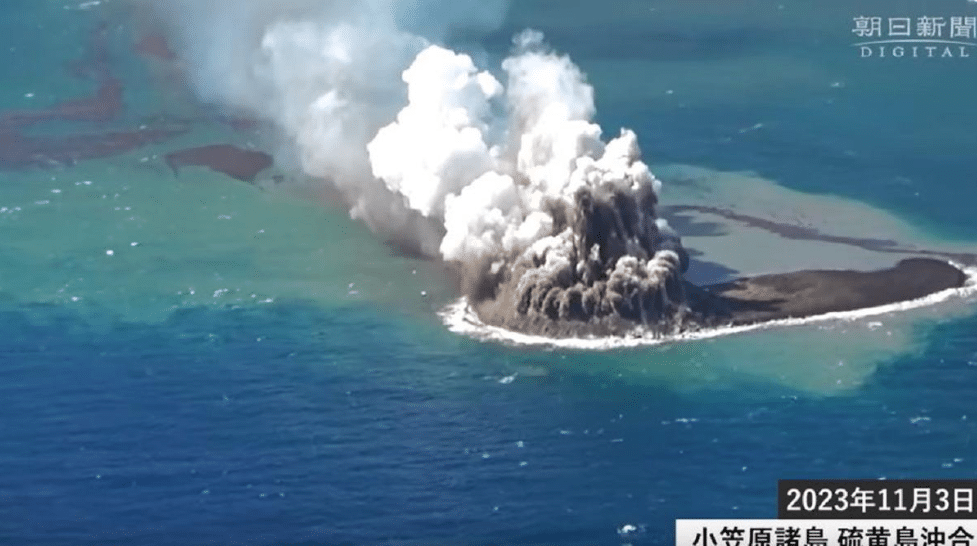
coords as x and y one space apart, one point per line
340 428
303 422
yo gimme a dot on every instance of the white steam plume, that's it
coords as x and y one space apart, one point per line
512 177
489 161
326 72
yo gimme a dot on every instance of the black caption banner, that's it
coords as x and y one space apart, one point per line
876 499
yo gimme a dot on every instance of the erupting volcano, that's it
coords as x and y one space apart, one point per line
501 173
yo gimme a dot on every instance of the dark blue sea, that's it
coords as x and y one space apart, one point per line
198 361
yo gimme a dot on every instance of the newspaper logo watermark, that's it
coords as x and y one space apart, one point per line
923 37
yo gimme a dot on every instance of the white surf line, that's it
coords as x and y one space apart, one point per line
461 319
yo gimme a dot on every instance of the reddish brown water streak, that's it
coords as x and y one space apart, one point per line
19 150
104 106
155 45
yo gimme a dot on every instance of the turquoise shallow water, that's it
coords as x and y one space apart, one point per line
259 369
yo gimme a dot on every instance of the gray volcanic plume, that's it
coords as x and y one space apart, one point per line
612 267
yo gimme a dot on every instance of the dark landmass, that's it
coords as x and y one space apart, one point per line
595 296
816 292
754 300
619 269
235 162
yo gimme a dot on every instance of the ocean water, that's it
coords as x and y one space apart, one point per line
194 360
